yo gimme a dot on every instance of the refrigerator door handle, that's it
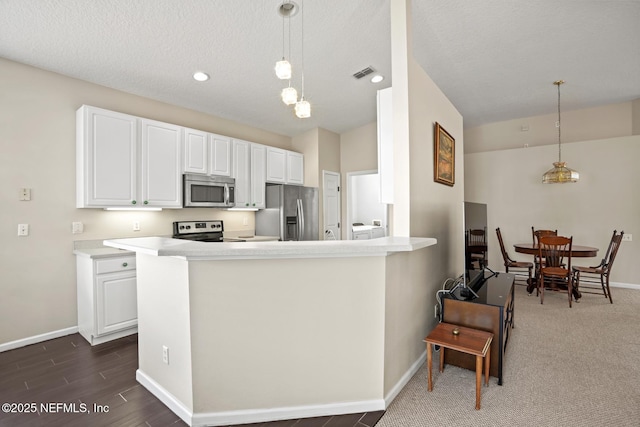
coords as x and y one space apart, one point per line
301 220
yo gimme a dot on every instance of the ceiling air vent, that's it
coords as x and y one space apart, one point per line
364 72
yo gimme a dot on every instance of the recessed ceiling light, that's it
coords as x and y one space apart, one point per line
200 76
377 78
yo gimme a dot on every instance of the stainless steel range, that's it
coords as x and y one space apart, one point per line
200 231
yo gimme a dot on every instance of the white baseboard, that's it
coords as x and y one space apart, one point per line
254 415
405 379
624 285
37 338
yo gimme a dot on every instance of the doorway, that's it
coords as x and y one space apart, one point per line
363 202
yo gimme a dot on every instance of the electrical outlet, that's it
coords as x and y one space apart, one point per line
165 354
23 229
25 194
627 237
136 226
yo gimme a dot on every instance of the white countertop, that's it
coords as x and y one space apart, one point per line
163 246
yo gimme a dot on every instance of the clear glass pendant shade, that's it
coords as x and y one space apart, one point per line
303 109
283 69
289 95
560 174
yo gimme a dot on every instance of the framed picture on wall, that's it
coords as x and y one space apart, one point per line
444 157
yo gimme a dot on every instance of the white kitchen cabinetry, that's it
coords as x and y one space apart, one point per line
219 155
126 161
295 168
258 175
207 153
107 301
106 158
284 167
196 151
161 180
249 171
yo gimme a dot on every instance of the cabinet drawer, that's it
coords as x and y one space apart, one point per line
112 265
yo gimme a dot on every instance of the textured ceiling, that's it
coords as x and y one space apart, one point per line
495 59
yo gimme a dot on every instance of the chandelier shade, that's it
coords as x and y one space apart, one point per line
283 69
289 95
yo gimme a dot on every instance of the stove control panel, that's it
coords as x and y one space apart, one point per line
192 227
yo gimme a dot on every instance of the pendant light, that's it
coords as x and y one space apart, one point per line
303 108
560 173
283 68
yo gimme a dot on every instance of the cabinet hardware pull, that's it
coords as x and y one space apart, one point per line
124 264
133 202
146 202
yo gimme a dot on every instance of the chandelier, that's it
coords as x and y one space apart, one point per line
560 173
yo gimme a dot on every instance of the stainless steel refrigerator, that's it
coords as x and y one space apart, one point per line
291 213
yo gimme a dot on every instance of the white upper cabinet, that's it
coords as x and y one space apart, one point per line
106 158
207 153
258 175
276 165
284 167
126 161
219 155
249 171
196 151
295 168
161 180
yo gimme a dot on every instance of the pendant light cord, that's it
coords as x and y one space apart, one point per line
558 83
302 55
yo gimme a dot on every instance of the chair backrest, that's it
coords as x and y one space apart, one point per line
612 251
555 250
537 234
476 237
505 255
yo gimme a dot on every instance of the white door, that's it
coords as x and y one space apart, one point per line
196 151
242 172
331 202
258 175
220 155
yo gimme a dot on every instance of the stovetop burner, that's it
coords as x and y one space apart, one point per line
201 231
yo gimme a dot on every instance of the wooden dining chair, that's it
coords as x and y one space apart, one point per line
556 253
602 270
535 236
509 263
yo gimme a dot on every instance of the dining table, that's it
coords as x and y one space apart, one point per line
577 251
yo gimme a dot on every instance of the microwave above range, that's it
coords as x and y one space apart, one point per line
203 191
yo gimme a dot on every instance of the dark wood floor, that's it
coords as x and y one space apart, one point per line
58 382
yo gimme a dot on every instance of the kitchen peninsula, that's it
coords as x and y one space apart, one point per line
242 332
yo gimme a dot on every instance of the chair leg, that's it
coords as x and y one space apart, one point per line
570 288
540 288
609 290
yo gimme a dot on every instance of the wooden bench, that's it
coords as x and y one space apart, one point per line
466 340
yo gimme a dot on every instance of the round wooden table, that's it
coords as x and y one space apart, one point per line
576 251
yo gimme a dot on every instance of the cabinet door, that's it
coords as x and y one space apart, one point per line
295 168
116 302
242 172
106 145
161 176
276 165
219 155
258 175
196 151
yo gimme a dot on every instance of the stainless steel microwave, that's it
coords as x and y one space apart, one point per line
204 191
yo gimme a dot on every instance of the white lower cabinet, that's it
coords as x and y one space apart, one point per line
107 298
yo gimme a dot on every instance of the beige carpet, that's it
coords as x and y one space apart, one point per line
564 366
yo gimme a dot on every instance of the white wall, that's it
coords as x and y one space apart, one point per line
605 198
37 150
